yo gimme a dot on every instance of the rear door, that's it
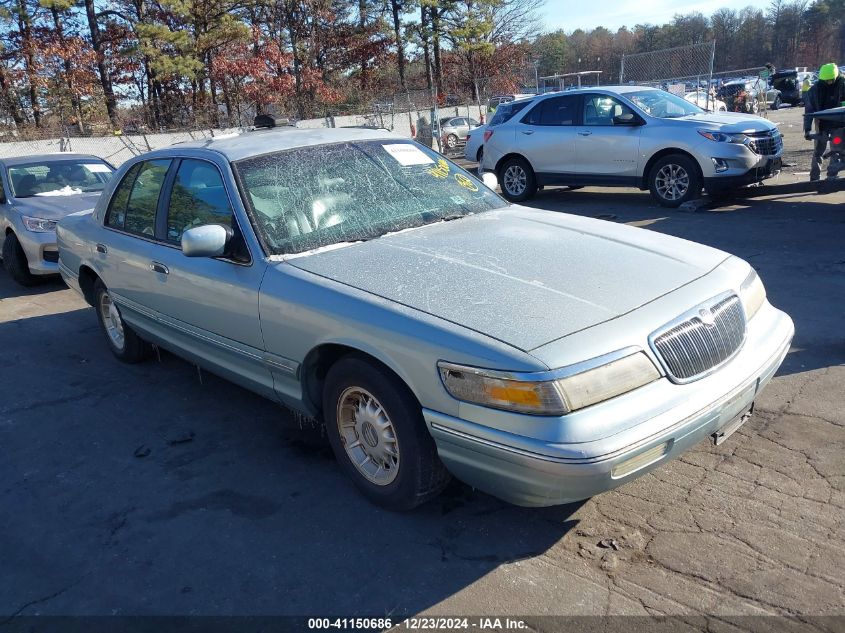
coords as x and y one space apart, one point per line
209 306
607 151
546 134
123 257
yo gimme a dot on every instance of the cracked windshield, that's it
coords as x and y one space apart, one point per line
58 178
309 198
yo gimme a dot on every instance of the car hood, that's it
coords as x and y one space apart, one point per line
522 276
731 122
55 207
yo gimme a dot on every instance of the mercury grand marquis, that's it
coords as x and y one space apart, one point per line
366 282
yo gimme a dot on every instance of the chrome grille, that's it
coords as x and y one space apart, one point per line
693 346
766 143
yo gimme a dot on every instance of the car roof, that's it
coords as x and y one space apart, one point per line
46 158
264 141
610 90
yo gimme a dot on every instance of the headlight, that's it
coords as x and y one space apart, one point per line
37 225
549 394
752 293
722 137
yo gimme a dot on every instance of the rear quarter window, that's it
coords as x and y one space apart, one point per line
506 112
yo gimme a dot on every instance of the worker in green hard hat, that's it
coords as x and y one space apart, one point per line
828 92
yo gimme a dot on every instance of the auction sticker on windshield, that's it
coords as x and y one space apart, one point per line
407 154
97 168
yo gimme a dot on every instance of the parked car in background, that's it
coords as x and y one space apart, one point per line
35 192
538 356
706 102
788 83
497 100
474 148
750 95
454 130
628 136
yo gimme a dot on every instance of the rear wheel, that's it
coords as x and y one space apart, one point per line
776 105
124 343
378 435
479 154
14 260
451 141
674 180
517 180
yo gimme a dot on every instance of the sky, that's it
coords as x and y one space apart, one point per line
574 14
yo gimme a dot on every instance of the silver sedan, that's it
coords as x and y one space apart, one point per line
35 192
366 282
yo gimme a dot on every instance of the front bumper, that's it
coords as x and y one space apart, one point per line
530 472
42 253
766 167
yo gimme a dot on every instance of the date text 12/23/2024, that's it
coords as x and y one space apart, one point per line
421 623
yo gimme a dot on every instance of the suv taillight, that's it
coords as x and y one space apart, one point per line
837 139
487 135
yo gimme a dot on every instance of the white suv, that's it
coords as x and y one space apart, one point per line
627 136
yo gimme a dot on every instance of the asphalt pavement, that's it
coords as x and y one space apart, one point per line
157 489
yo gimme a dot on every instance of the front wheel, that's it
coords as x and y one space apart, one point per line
14 260
377 433
674 180
517 180
124 343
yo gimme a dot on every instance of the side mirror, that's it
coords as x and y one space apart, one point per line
489 179
209 240
626 119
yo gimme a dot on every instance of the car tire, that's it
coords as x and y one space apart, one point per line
673 180
517 180
776 105
479 155
385 447
451 142
122 340
14 261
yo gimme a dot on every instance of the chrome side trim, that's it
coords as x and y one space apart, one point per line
270 361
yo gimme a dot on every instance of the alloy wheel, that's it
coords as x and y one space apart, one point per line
515 180
112 321
672 182
368 436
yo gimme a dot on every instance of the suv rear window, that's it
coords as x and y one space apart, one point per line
506 111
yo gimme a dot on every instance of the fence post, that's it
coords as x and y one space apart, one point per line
621 72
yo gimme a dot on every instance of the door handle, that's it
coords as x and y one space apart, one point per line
101 248
158 267
528 132
585 133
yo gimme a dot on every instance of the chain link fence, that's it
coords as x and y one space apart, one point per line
681 65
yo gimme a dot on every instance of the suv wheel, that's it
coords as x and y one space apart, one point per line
14 260
517 180
674 180
377 433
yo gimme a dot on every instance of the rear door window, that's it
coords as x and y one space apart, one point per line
506 112
557 111
198 197
143 199
116 215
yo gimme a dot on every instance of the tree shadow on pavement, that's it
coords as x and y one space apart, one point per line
155 489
